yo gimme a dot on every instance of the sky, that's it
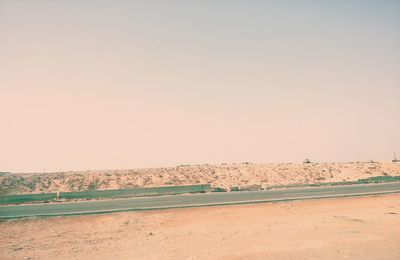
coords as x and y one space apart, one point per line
132 84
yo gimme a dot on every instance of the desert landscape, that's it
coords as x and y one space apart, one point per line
226 176
342 228
199 129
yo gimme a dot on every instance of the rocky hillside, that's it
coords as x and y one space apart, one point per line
224 176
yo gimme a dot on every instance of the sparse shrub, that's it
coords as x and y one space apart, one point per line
217 189
253 187
32 185
71 184
93 185
175 179
80 187
235 188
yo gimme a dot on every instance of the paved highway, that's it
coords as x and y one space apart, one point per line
192 200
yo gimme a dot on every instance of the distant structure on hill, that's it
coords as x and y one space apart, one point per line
395 159
307 161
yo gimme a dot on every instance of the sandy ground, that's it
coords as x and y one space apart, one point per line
352 228
223 176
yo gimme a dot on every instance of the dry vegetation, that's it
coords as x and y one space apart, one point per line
225 176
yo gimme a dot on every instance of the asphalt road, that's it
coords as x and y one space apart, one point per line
192 200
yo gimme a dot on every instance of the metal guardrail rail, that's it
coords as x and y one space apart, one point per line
96 194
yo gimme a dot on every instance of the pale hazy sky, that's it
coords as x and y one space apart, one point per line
110 84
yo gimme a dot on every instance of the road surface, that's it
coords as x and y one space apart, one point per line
192 200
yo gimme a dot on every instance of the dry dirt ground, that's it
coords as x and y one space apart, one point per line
223 176
352 228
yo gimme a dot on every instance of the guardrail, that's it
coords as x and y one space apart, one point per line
97 194
16 199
